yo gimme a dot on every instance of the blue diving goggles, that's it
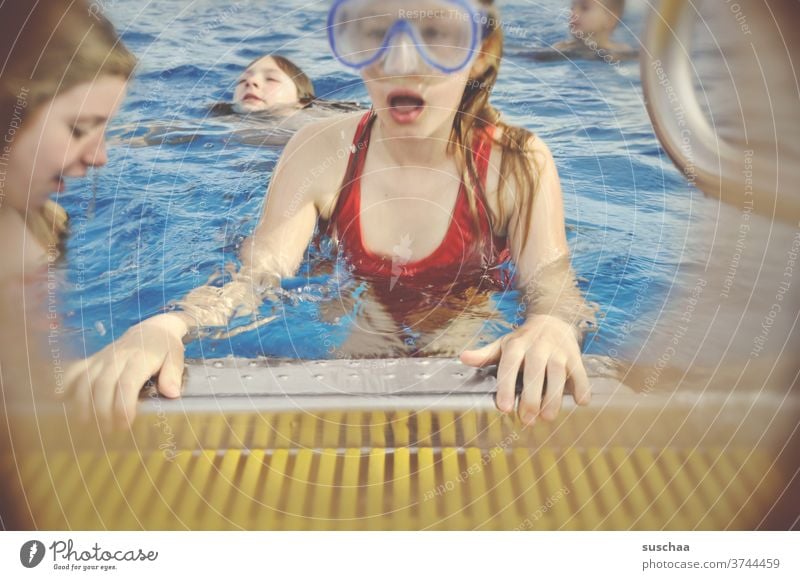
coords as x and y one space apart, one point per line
445 33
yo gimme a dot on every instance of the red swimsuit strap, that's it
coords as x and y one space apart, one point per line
355 165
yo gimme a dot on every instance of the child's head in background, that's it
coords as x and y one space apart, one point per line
271 81
595 19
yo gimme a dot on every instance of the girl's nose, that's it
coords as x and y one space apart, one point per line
96 155
401 56
251 82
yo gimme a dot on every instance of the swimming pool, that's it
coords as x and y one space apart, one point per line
161 219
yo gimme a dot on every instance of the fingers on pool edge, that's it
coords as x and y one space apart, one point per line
484 356
507 374
130 384
530 402
556 379
581 387
170 377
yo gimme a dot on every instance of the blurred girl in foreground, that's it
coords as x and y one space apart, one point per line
64 73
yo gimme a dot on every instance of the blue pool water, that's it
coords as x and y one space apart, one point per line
160 219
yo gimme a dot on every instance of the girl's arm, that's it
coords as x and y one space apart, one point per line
274 250
110 381
546 347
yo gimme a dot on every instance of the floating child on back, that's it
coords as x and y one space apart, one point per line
271 83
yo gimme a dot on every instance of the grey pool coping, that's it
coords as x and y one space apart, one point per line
414 403
359 381
236 384
269 385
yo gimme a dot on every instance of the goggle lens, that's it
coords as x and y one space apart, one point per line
446 33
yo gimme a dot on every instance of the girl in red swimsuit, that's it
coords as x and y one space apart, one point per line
433 305
426 194
463 249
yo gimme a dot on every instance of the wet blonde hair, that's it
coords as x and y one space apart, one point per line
49 226
475 112
46 50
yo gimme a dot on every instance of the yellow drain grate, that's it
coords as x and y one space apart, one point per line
405 488
253 453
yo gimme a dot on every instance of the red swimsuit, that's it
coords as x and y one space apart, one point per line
462 250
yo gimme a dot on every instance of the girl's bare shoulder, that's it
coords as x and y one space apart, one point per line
322 134
542 165
317 156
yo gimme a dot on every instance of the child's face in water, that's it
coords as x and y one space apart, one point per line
591 17
61 138
263 85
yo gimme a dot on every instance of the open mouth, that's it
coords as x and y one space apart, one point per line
405 106
250 98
